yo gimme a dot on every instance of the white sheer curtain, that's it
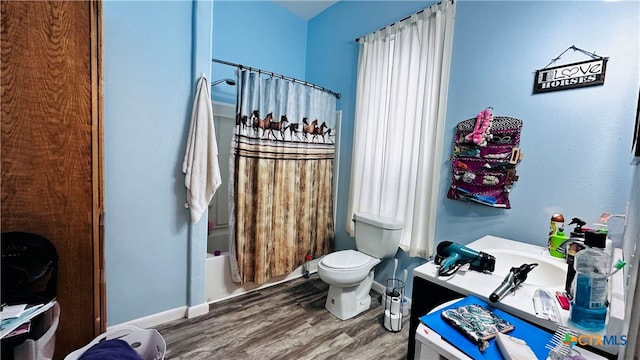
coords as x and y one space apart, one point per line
403 78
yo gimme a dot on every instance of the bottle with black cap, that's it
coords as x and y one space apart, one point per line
589 304
571 248
577 232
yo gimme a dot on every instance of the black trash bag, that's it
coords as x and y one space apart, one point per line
29 269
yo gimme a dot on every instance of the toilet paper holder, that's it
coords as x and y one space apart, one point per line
392 300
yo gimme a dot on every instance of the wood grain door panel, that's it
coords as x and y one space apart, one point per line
49 142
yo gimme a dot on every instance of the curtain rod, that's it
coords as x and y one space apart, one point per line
272 74
401 20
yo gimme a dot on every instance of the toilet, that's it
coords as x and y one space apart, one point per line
349 273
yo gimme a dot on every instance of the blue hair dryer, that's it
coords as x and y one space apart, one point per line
451 256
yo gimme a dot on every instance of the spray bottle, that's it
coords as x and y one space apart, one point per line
577 232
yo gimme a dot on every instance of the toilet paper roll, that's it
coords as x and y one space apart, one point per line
392 322
395 306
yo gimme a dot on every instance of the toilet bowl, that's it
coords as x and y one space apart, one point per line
349 273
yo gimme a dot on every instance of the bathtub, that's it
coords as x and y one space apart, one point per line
218 240
220 287
217 270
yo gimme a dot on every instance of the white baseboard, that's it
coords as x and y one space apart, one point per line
166 316
156 319
198 310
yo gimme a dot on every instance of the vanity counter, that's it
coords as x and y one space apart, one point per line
430 290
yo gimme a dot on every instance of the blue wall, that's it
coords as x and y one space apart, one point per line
149 82
256 34
576 142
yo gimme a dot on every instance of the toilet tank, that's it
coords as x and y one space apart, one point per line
377 236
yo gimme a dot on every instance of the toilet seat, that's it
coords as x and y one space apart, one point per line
347 260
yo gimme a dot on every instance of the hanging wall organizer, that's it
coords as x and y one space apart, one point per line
486 152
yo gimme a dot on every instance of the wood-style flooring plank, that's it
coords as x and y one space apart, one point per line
282 322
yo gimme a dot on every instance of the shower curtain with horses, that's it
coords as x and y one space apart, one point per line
281 176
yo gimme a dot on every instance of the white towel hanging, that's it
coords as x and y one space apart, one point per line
201 168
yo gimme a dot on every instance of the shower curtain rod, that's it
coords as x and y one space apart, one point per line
403 19
272 74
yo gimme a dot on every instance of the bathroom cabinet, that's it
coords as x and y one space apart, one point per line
52 158
424 297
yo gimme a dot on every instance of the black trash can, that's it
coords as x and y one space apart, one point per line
29 268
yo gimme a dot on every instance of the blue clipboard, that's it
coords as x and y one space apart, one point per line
535 337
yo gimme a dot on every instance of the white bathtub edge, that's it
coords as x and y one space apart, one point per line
219 286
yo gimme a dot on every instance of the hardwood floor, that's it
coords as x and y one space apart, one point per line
285 321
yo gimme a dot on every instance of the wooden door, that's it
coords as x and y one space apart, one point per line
51 108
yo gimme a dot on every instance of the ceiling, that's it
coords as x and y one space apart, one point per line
305 8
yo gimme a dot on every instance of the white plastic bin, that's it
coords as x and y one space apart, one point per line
43 347
148 343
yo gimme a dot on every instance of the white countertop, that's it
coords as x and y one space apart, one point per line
520 303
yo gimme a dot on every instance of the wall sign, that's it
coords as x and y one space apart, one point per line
571 76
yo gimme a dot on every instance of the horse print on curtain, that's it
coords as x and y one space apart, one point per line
281 177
